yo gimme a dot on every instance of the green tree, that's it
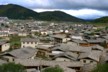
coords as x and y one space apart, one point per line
15 41
101 68
53 69
12 67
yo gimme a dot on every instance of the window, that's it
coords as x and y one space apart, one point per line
91 61
13 60
84 61
77 52
0 49
64 60
31 42
23 42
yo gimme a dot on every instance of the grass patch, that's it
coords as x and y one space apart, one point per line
15 41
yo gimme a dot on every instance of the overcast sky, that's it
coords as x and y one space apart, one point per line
86 9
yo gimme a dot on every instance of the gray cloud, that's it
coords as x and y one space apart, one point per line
79 4
98 8
61 4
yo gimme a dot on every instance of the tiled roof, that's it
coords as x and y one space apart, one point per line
29 40
33 62
23 53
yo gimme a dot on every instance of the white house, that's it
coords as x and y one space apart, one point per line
4 34
90 57
67 56
4 45
44 33
61 38
29 42
22 33
79 37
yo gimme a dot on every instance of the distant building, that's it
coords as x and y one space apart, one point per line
44 33
61 38
78 37
21 53
90 57
4 34
22 34
3 18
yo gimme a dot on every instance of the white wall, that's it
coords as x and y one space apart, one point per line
57 52
44 33
77 37
65 39
87 61
5 47
4 35
22 34
62 59
30 44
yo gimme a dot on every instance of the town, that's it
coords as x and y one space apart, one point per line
40 44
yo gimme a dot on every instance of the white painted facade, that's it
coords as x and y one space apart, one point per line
44 33
29 44
5 47
87 61
66 31
77 37
65 39
57 52
4 34
22 34
62 59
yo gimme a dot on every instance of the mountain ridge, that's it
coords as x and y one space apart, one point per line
14 11
103 19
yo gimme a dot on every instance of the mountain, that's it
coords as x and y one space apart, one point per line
58 16
13 11
101 20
